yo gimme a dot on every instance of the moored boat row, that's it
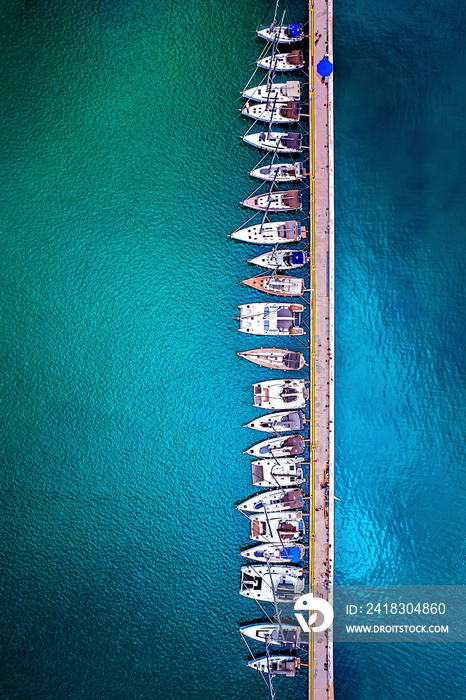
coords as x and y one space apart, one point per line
274 574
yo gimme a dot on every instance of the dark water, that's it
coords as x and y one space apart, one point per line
122 397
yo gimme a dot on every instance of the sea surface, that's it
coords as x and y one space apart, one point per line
122 399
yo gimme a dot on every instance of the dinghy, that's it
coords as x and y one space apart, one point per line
270 319
278 472
275 553
280 113
282 61
282 92
281 422
280 172
261 582
275 358
277 141
284 665
288 636
271 233
281 446
273 501
279 528
281 200
281 259
279 394
278 285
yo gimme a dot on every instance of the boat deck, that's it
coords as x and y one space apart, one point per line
320 686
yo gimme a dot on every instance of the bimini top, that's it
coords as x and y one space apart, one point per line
294 30
292 360
297 257
291 554
291 140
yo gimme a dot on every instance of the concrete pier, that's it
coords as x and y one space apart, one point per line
322 341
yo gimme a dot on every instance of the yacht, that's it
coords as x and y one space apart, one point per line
271 233
275 553
270 319
275 358
277 665
280 394
281 446
278 285
281 92
282 33
282 61
280 113
281 259
281 422
277 500
284 471
261 582
281 200
277 141
279 528
280 172
288 636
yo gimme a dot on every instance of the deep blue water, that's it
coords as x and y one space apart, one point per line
122 399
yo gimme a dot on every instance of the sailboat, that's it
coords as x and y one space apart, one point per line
282 446
271 319
280 113
284 583
281 62
275 358
277 665
280 422
283 527
288 142
277 285
279 394
280 172
284 92
281 200
283 472
275 553
288 636
272 501
271 232
281 259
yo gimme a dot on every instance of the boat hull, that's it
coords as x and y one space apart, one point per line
288 200
275 358
274 501
275 553
269 473
280 34
283 61
277 92
281 528
271 233
281 394
286 446
287 636
275 141
280 172
281 259
281 422
261 112
287 666
278 285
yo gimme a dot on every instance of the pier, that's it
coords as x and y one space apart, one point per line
322 341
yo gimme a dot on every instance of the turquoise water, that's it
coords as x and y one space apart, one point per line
122 397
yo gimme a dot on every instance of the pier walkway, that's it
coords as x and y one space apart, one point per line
321 526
